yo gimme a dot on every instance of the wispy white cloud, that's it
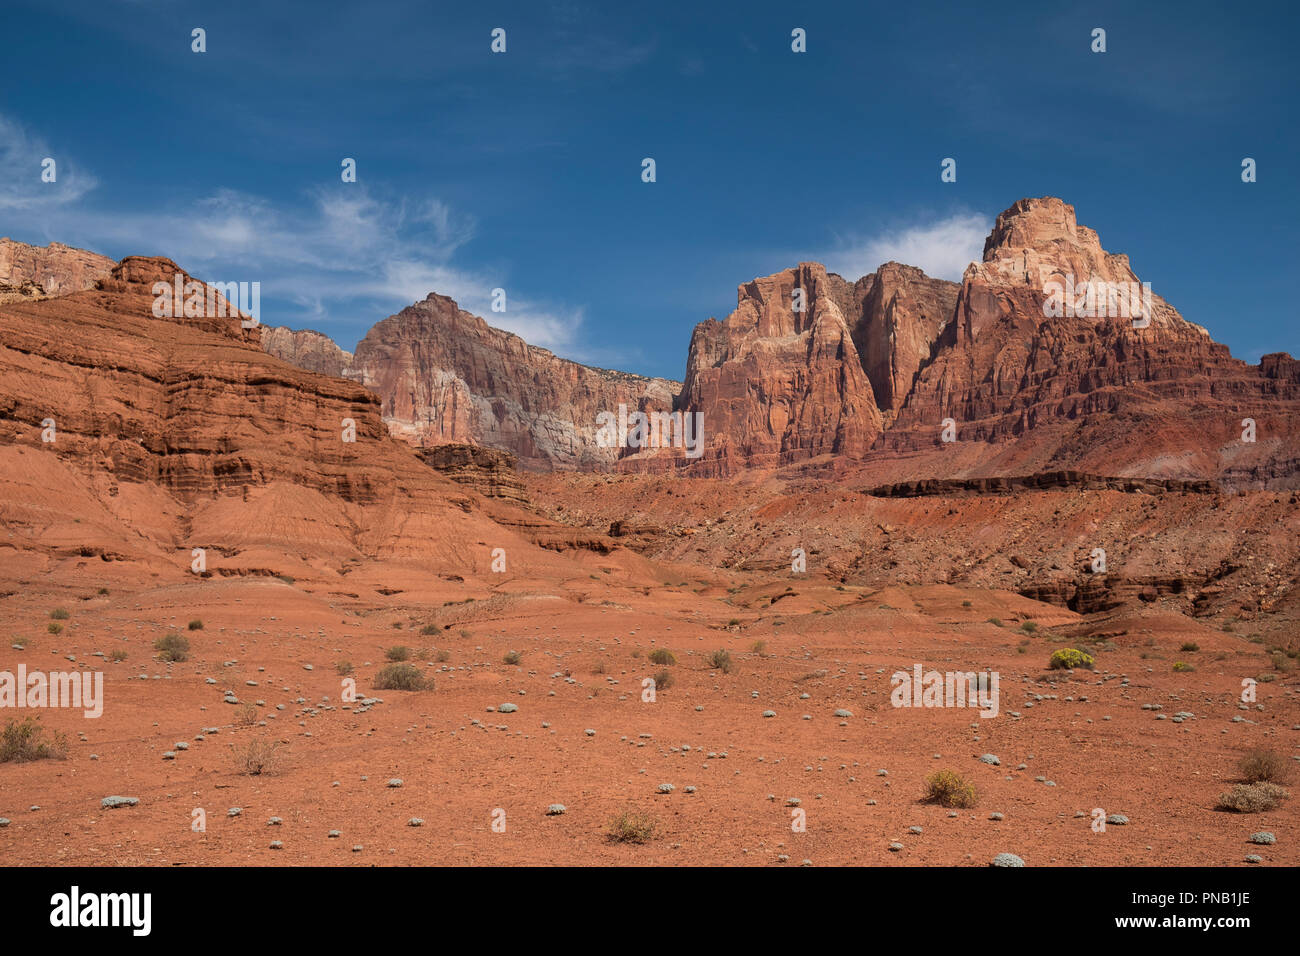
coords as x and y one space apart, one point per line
21 184
942 248
343 255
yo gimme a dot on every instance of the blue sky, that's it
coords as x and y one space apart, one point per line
522 170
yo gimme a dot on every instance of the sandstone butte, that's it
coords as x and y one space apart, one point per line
865 375
34 272
174 434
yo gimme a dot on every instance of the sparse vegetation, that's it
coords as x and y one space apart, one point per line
343 668
258 757
1264 766
1252 797
172 647
245 715
195 625
401 676
662 656
721 660
429 629
1189 647
1182 666
27 739
758 647
118 655
734 622
398 653
949 789
60 614
630 827
54 628
512 657
995 621
442 656
1069 658
1029 627
663 680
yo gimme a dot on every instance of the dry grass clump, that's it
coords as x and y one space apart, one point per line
1262 765
629 827
24 740
258 757
1252 797
402 677
949 789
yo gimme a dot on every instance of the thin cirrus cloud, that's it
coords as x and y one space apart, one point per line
21 183
942 248
342 257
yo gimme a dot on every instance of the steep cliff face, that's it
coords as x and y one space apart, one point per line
36 272
897 316
1087 379
1049 355
307 349
779 380
121 432
446 376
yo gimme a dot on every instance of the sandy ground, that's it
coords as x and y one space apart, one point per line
583 736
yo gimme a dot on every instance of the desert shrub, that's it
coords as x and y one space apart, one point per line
102 592
1252 797
721 660
26 739
245 715
60 614
117 655
948 789
630 827
401 676
663 680
598 667
429 629
54 628
995 621
399 653
758 647
512 657
966 604
1182 666
636 652
343 668
662 656
734 622
173 647
1069 657
1189 647
442 656
1029 627
195 625
1264 766
258 757
464 633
